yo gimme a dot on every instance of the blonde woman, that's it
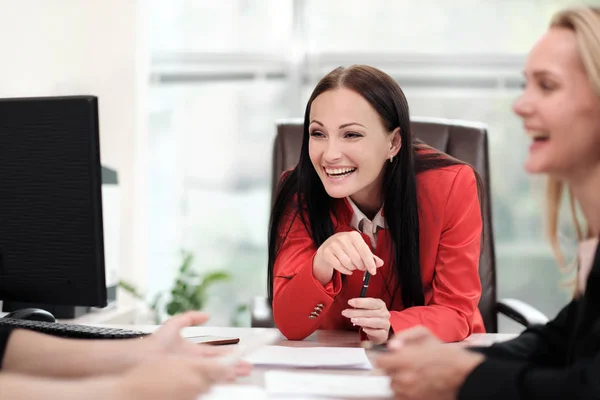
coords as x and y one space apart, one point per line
560 108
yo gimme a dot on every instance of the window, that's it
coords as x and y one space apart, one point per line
222 73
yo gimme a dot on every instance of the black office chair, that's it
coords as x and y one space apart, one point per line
466 141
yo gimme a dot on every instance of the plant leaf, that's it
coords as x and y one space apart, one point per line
214 277
132 290
209 280
187 261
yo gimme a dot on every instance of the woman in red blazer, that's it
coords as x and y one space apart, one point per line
366 196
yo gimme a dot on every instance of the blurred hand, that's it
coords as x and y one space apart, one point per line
421 367
170 377
372 316
167 341
345 252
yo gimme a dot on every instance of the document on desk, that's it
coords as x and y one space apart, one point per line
311 357
250 392
327 385
228 392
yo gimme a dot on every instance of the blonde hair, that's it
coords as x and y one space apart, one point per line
585 23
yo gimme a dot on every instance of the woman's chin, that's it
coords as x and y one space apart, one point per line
338 195
337 192
534 168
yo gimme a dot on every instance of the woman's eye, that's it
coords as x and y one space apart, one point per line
316 134
352 135
546 86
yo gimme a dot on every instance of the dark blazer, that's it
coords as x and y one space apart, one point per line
559 360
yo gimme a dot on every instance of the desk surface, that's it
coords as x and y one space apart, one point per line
318 339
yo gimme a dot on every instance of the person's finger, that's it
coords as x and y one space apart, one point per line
367 303
366 313
331 260
401 383
374 323
334 263
397 388
413 357
410 336
340 253
213 370
359 313
206 350
365 252
201 367
189 318
350 250
392 361
243 368
375 335
378 261
407 378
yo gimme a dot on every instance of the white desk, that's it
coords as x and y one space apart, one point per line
319 338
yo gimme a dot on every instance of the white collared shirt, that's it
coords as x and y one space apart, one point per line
361 223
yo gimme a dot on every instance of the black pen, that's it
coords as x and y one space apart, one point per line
365 285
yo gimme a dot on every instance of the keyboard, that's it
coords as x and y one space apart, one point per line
72 331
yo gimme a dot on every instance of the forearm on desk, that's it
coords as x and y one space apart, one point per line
33 353
444 323
301 302
20 387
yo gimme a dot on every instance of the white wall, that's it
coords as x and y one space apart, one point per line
70 47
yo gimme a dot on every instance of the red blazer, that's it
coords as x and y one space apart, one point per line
450 236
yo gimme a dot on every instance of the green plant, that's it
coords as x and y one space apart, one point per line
189 291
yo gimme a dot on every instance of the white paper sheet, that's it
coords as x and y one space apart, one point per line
311 357
229 392
328 385
250 392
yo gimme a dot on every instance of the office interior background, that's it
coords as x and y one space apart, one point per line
190 92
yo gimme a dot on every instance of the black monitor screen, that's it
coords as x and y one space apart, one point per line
51 243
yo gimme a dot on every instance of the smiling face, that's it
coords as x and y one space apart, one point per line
560 111
349 146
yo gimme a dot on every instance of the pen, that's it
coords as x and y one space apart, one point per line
365 286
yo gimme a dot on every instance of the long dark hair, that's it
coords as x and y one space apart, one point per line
302 193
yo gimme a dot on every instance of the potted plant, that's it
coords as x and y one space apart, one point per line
189 291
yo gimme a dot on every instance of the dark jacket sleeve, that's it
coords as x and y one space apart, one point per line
533 366
4 336
504 379
543 344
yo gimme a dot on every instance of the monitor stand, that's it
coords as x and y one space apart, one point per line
59 311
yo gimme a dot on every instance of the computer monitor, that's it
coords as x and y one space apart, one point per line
51 233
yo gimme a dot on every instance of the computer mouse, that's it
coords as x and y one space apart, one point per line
31 314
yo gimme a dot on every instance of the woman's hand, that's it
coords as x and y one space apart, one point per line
421 367
344 252
170 377
167 341
372 316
